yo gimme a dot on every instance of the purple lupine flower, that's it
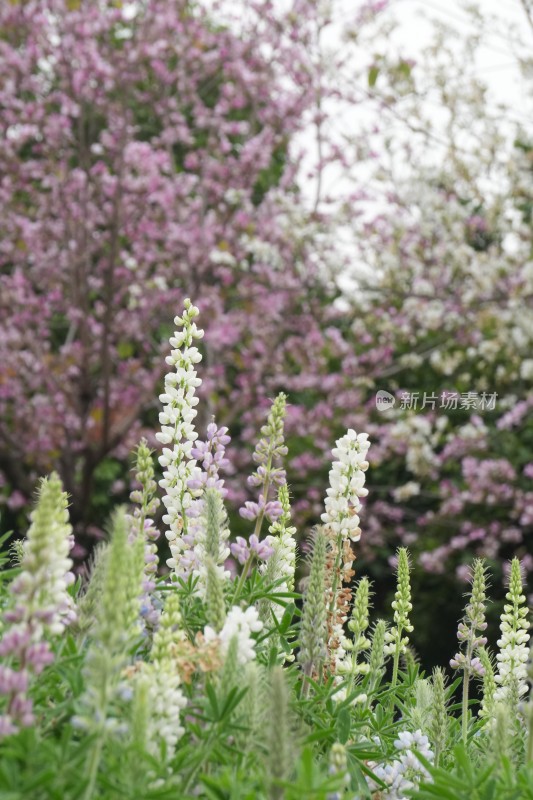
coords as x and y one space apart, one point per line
268 455
242 550
142 524
211 457
271 510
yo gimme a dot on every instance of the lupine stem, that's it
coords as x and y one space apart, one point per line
94 763
466 686
257 531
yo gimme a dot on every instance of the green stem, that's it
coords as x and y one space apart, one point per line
354 654
464 720
213 735
395 663
529 751
466 686
94 763
257 531
243 575
396 660
336 575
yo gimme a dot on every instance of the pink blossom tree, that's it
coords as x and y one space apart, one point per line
146 155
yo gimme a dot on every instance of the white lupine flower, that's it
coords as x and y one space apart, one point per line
177 429
240 624
404 773
166 702
347 479
514 651
159 682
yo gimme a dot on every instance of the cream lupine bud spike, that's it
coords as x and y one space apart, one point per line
41 588
396 643
115 628
279 737
376 661
215 606
146 506
177 430
160 682
438 723
360 616
347 479
489 684
357 624
212 540
402 606
313 626
512 658
472 625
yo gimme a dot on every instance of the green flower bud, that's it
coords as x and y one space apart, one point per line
313 625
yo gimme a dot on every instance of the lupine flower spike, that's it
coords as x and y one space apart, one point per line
338 767
268 455
347 485
208 532
313 626
211 534
468 634
341 526
160 681
396 642
280 739
405 772
513 643
528 711
238 626
42 606
282 563
178 435
349 667
143 525
438 725
489 684
376 660
116 627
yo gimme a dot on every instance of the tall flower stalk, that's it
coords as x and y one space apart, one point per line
439 722
177 430
468 636
268 455
511 677
160 681
212 534
314 615
116 626
42 607
396 642
142 524
342 504
282 563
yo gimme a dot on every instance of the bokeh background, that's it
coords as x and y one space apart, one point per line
346 193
